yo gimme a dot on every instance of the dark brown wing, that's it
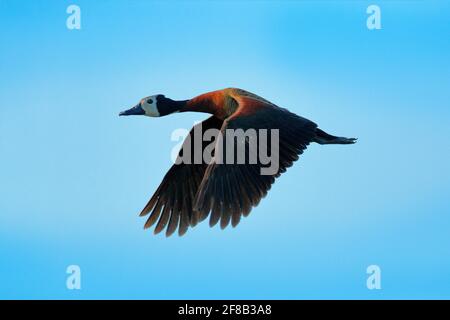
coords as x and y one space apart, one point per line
228 191
172 203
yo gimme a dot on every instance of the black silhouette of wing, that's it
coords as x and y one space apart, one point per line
171 205
229 191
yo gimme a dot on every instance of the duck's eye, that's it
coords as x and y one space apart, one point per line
149 101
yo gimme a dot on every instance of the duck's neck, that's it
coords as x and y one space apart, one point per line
211 103
167 106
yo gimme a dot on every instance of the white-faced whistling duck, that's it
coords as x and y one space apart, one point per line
192 191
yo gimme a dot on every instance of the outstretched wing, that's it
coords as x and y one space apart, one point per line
171 205
228 191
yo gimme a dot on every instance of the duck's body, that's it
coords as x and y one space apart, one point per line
191 191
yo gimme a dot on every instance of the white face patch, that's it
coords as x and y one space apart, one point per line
149 106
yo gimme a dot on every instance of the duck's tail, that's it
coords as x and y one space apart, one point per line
324 138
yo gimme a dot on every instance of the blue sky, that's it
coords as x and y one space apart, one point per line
74 175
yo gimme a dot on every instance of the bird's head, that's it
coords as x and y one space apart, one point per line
148 106
155 106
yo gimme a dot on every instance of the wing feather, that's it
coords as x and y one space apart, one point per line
233 189
171 206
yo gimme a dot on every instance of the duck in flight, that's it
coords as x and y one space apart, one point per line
192 191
